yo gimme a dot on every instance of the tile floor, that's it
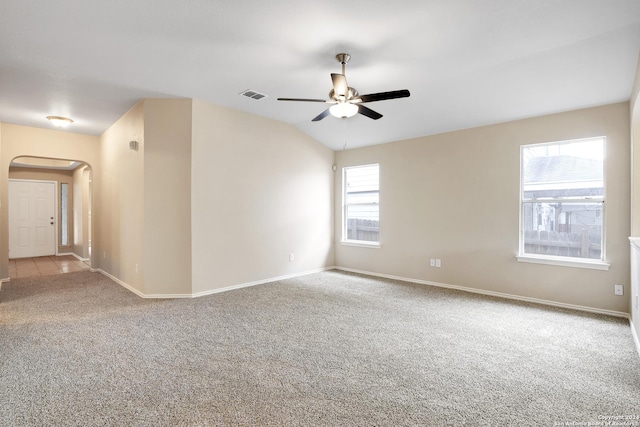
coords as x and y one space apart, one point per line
45 266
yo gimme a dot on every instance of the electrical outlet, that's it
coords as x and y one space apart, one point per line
618 289
438 263
292 257
432 262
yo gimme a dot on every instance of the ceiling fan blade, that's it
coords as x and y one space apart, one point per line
302 99
321 116
340 87
365 111
381 96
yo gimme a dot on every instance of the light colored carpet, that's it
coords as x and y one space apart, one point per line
329 349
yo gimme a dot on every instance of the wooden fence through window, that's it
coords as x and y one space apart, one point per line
363 229
578 245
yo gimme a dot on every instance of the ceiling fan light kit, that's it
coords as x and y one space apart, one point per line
347 101
343 110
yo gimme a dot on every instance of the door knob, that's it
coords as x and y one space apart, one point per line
51 222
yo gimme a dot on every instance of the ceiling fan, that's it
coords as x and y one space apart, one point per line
347 102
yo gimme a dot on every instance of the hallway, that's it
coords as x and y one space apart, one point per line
45 266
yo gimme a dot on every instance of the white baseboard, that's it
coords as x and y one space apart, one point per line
212 291
73 255
136 291
118 281
262 282
635 336
492 293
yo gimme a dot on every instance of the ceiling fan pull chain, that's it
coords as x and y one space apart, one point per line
344 132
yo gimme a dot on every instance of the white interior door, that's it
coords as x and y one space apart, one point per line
32 227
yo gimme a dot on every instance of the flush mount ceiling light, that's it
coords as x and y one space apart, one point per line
343 110
60 121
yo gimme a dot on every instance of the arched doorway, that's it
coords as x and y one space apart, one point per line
67 222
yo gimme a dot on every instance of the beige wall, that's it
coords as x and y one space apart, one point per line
260 191
635 150
19 141
455 197
78 219
52 175
118 198
211 193
167 196
635 194
81 198
143 211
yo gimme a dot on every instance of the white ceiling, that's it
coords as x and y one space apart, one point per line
466 62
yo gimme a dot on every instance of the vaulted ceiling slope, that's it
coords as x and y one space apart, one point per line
466 62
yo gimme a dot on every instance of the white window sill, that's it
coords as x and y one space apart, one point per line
360 243
564 262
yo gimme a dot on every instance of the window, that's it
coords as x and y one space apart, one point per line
562 202
64 214
361 195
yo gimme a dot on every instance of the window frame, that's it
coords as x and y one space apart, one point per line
559 260
344 238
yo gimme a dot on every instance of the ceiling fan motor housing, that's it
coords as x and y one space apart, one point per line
351 93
